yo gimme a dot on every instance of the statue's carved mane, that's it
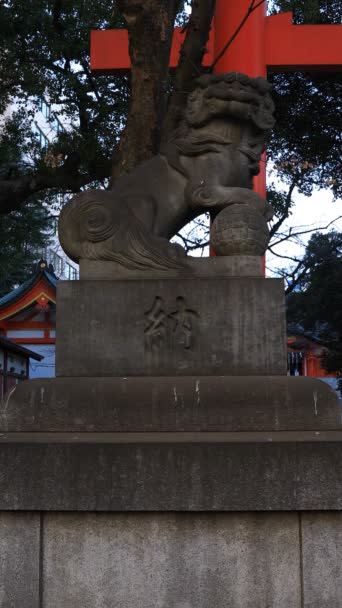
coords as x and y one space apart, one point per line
255 92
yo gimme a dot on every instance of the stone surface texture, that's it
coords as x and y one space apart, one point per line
170 560
159 475
19 560
175 404
223 266
233 326
322 560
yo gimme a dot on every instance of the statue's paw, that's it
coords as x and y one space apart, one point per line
239 229
260 204
245 196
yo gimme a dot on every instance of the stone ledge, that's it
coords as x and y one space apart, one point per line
178 404
172 438
171 477
224 266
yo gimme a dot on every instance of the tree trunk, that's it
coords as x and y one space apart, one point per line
190 60
150 26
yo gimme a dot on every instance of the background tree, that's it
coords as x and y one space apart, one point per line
315 303
304 146
23 234
115 122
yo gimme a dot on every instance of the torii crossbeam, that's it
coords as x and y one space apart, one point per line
263 43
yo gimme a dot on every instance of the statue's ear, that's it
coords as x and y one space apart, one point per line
262 114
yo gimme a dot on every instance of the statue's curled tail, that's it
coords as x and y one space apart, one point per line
91 229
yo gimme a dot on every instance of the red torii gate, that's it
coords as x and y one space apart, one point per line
263 43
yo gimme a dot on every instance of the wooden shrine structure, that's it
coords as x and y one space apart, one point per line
14 364
28 317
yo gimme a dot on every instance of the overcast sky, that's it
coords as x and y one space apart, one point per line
313 212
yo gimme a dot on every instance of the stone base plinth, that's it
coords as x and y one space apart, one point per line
188 492
169 560
164 327
171 444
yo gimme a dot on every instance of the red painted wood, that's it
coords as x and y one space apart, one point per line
314 368
239 58
34 340
41 290
272 42
109 51
291 47
29 325
246 52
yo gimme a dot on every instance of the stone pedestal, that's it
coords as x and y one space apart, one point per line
172 463
164 327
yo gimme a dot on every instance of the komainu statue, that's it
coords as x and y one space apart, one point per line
207 165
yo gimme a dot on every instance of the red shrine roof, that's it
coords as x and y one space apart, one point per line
39 289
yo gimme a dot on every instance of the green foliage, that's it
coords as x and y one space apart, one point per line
306 143
316 305
45 53
22 234
311 11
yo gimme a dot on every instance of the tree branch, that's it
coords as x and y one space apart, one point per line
292 234
285 215
190 60
15 192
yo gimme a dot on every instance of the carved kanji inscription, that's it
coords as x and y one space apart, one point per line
170 326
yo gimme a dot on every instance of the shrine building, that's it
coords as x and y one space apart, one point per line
14 364
304 352
28 319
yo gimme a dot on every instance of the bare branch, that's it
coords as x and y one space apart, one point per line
288 202
282 256
191 245
292 234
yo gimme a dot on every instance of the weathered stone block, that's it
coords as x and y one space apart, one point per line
171 561
154 472
322 559
19 560
171 327
176 404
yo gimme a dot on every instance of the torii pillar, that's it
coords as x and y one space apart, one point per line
272 43
246 53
